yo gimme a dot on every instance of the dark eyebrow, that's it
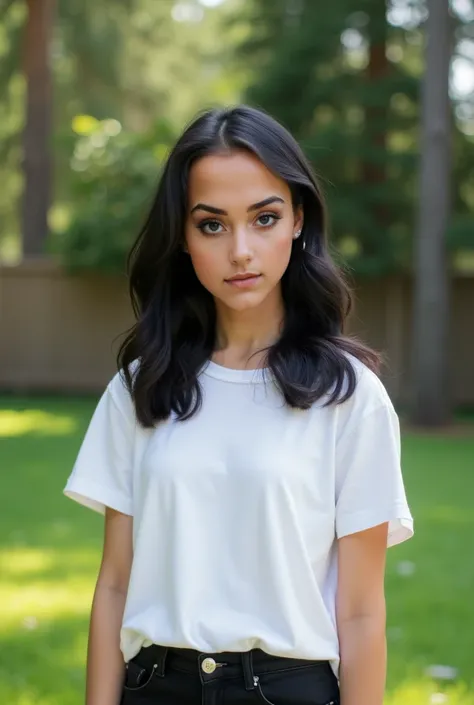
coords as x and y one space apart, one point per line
254 207
266 202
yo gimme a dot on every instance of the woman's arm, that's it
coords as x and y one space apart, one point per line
360 610
105 666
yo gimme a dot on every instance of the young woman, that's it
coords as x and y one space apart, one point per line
246 456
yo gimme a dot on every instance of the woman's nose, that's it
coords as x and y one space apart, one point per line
241 248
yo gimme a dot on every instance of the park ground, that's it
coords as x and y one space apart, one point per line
50 551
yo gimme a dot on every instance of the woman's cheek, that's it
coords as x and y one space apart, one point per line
206 268
279 256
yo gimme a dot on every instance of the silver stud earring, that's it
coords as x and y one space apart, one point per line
297 234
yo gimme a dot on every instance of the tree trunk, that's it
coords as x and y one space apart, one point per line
37 159
374 170
431 405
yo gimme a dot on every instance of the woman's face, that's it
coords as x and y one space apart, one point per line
240 223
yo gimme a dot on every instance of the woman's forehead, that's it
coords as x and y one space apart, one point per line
238 176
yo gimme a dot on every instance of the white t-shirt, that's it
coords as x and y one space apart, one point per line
236 511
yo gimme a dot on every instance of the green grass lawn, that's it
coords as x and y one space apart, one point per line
50 548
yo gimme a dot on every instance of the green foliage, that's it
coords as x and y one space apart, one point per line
114 173
346 82
135 61
149 69
316 80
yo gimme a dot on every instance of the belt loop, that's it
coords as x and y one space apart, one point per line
161 660
247 665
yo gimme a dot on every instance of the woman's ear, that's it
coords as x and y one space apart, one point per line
299 219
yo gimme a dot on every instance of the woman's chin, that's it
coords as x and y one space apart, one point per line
243 302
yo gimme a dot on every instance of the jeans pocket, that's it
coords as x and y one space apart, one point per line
136 677
260 692
307 686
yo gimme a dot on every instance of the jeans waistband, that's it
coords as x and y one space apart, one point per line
224 664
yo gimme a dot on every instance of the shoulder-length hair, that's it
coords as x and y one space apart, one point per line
174 333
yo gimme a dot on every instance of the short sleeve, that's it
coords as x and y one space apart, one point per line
369 483
102 473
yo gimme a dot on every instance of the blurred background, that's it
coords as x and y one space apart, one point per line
92 96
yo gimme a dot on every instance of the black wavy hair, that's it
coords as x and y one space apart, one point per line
175 329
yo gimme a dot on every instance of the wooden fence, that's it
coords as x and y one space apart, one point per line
57 331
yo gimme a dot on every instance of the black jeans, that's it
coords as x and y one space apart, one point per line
159 675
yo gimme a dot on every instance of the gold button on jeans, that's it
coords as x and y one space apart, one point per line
208 665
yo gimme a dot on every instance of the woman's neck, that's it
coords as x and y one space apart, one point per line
243 337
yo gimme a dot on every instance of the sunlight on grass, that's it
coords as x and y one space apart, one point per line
426 692
36 588
20 423
25 561
30 604
28 697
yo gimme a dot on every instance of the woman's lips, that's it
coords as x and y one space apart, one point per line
245 282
